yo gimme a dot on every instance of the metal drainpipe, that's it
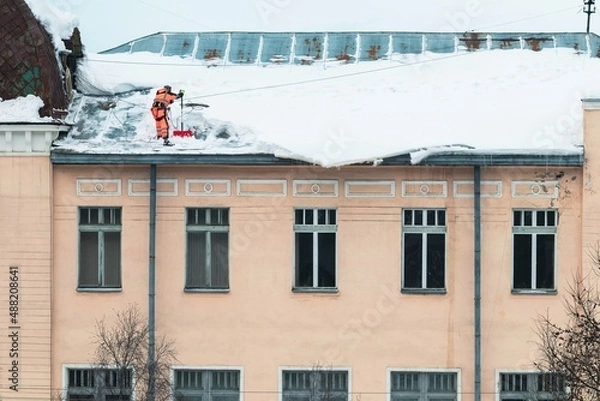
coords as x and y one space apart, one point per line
477 278
151 285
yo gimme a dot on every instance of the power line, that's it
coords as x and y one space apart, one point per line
528 18
167 11
314 80
309 81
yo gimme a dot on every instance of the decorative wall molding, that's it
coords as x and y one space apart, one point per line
268 188
98 187
535 189
316 188
424 189
489 189
207 187
370 188
164 187
29 138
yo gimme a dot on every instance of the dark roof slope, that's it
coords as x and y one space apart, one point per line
28 61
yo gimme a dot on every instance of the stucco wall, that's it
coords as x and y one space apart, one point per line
368 325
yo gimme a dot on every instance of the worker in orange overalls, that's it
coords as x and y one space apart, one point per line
160 106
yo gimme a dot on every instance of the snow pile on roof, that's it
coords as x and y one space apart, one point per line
22 110
58 23
489 101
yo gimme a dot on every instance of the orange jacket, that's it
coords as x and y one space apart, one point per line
164 98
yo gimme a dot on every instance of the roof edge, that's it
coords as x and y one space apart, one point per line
266 159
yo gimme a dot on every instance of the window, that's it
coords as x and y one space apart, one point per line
99 385
99 247
534 237
423 386
315 236
424 248
531 387
207 385
207 262
315 385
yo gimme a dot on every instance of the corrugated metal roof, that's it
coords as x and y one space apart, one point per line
309 47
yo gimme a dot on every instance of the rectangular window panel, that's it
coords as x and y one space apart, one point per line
326 271
424 386
531 387
436 260
534 249
196 262
424 249
112 259
100 247
522 260
88 259
207 256
545 261
99 385
413 260
220 260
315 385
207 385
315 248
304 259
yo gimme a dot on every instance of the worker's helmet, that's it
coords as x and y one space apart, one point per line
168 87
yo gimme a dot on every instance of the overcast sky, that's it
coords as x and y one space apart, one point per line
108 23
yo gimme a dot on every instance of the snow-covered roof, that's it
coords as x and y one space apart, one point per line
333 111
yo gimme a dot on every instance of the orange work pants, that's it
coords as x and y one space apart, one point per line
161 122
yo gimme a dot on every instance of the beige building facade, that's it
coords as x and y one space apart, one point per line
281 282
26 258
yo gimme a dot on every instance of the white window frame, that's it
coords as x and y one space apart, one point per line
500 372
346 369
208 229
316 229
207 368
534 231
100 229
425 230
391 370
80 366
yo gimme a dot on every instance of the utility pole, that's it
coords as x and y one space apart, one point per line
589 8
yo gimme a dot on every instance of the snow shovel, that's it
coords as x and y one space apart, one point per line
182 133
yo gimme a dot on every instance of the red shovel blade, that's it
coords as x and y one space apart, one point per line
182 133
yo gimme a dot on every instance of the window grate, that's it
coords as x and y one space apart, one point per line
532 386
424 386
207 385
99 384
314 385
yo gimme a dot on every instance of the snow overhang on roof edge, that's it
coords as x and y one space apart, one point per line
591 103
445 159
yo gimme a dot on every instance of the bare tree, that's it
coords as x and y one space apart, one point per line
122 355
572 349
